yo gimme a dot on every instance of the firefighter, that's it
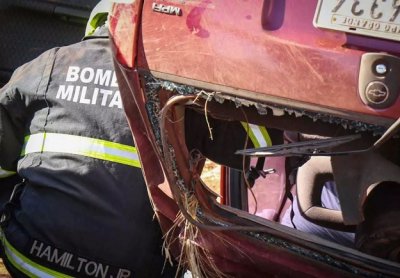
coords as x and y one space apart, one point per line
82 209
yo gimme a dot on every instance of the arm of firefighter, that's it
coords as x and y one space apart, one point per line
6 135
11 132
15 100
228 137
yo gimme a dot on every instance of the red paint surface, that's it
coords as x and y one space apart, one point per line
230 43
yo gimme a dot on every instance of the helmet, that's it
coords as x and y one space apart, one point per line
98 16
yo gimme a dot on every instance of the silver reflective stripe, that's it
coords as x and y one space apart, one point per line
27 266
79 145
5 173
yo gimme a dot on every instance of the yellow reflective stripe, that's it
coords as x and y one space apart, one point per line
250 133
5 173
266 136
98 16
79 145
98 20
27 266
258 135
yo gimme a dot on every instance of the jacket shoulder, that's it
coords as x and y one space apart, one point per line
28 77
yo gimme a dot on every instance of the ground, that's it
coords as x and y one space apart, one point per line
211 175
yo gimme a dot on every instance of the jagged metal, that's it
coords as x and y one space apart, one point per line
295 248
152 88
179 180
154 85
314 255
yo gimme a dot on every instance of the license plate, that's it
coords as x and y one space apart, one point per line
374 18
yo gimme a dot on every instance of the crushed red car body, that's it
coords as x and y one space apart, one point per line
327 72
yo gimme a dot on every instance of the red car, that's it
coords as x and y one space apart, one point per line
318 80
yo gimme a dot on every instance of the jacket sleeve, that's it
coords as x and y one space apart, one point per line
16 98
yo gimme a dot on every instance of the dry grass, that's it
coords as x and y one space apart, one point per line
193 256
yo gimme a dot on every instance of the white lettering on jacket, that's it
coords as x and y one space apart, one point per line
101 77
75 263
77 88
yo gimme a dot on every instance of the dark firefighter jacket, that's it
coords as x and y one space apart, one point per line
84 210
